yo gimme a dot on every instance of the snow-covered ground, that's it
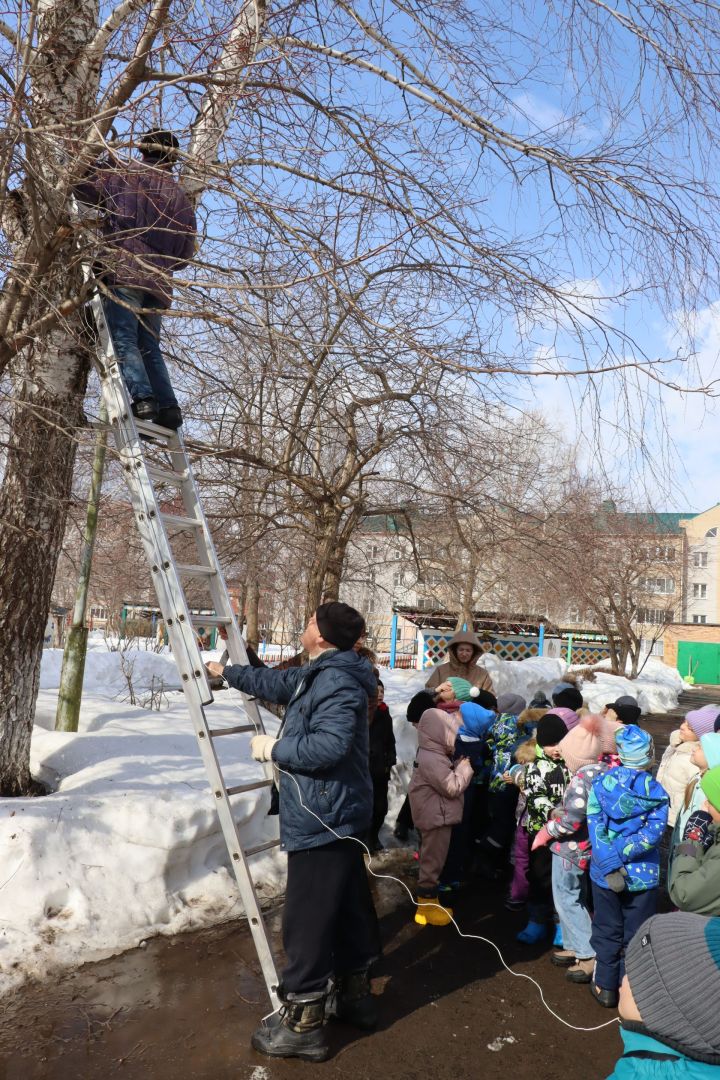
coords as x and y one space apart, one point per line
128 845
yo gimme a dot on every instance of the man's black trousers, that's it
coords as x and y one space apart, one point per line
329 923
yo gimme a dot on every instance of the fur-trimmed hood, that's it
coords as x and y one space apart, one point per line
528 718
525 753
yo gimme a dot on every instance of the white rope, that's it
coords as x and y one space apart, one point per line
469 937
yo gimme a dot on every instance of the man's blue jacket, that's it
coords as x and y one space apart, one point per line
324 744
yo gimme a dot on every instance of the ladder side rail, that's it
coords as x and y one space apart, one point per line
169 590
171 597
218 590
173 605
238 859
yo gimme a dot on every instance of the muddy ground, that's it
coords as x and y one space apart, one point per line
183 1008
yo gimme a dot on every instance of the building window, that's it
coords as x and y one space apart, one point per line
699 618
699 591
712 532
664 554
662 585
700 559
375 552
98 613
371 605
655 616
398 578
398 554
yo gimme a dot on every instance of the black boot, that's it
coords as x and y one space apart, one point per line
353 1002
170 417
145 409
296 1030
607 998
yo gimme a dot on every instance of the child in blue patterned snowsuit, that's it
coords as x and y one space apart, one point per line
627 814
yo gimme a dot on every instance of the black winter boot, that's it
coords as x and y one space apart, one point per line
170 417
145 409
353 1002
296 1030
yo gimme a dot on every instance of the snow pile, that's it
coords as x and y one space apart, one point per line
657 689
104 670
524 677
128 844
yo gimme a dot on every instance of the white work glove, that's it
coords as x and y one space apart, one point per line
261 747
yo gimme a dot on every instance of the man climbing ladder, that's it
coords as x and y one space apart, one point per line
149 227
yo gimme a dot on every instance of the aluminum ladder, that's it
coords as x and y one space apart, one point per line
159 461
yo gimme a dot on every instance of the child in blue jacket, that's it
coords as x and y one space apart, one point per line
668 1000
627 814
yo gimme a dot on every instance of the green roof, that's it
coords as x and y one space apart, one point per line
663 522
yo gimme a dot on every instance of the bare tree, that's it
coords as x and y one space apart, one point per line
617 566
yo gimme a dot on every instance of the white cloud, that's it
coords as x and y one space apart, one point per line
532 112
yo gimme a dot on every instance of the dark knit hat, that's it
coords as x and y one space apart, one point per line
340 624
673 966
159 146
512 704
418 704
551 730
567 697
626 709
539 701
487 700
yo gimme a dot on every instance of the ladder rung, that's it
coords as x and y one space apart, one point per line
210 620
239 729
167 476
179 522
240 788
155 431
193 570
261 847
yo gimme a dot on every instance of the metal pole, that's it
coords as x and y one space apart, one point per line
73 665
541 639
393 639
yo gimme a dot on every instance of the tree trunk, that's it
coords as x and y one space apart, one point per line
252 607
33 508
73 665
336 562
467 607
325 542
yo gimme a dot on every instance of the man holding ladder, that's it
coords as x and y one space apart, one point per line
330 929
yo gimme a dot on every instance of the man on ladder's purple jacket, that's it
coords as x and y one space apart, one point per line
330 930
149 226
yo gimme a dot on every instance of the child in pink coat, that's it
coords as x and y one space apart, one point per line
436 799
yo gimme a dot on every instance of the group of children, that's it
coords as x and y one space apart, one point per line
569 800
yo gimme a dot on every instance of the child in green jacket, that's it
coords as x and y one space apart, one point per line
668 1000
695 870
